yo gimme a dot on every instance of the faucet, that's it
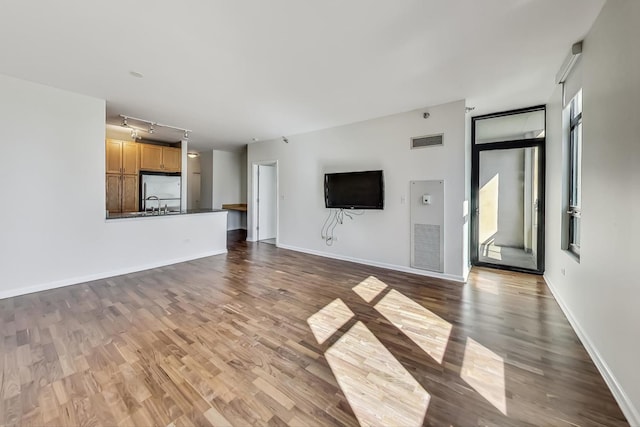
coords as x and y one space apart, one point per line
152 208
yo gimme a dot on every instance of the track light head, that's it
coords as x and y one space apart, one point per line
186 134
151 128
426 115
124 122
284 138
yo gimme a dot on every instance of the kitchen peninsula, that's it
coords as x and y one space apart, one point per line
124 215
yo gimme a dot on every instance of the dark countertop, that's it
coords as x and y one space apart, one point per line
149 215
240 207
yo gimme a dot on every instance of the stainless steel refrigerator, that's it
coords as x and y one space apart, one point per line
160 191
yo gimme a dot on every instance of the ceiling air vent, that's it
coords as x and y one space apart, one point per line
426 141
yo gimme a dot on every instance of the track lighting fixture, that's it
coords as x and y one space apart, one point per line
152 125
426 115
286 141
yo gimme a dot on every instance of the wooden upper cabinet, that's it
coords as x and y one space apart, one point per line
122 157
158 158
114 156
130 160
150 157
171 159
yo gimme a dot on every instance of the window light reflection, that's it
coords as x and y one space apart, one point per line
426 329
483 370
329 319
379 389
369 288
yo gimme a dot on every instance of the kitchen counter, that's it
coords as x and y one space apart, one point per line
126 215
241 207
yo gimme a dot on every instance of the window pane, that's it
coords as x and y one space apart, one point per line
576 105
574 159
509 128
578 165
574 231
573 170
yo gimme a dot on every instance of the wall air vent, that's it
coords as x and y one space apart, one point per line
426 141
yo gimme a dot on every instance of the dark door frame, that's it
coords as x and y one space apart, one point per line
475 185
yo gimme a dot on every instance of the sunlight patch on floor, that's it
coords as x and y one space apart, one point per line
426 329
329 319
483 370
379 389
369 288
494 252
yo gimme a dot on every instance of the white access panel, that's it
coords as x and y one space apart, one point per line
427 225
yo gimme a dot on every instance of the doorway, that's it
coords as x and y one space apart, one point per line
265 184
507 218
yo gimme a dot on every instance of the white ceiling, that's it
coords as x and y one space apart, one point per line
234 70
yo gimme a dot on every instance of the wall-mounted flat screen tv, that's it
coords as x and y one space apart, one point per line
354 190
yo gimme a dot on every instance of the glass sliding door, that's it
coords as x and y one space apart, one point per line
508 201
507 191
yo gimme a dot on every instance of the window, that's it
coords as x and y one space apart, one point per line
575 173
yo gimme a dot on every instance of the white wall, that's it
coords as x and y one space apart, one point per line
118 132
600 294
377 237
53 172
206 179
229 170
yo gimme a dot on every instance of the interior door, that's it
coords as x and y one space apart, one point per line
266 202
194 185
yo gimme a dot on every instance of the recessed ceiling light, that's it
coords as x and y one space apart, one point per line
137 74
255 139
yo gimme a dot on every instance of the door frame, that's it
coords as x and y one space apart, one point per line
475 186
254 199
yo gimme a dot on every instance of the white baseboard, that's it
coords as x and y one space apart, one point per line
626 405
376 264
103 275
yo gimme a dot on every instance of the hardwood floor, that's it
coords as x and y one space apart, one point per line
266 336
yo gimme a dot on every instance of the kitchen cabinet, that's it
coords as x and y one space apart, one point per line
129 193
150 157
122 193
172 159
122 157
114 189
159 158
122 166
